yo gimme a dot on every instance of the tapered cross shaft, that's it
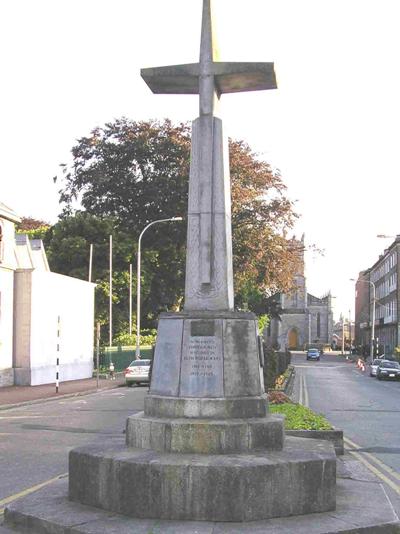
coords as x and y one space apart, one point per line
209 279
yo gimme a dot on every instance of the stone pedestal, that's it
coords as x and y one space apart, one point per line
143 483
207 355
206 448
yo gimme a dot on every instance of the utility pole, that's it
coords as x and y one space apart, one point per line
342 335
90 262
350 343
110 303
97 353
130 299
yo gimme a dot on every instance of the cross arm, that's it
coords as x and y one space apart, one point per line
176 79
230 77
239 77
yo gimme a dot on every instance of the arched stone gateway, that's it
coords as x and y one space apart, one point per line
293 339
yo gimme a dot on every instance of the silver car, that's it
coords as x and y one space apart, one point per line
138 372
374 366
388 370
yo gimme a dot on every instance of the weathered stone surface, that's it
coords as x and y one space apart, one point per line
204 436
202 367
209 275
237 408
6 377
242 362
167 357
207 355
334 436
48 511
299 479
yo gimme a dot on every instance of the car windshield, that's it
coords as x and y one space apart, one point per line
312 350
390 365
376 362
139 363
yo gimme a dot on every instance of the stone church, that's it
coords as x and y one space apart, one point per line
45 317
305 319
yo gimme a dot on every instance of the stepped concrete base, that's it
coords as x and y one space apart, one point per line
334 436
204 436
299 479
48 511
217 408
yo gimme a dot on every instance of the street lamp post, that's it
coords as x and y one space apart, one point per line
373 313
137 356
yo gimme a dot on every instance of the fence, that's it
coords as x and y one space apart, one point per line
121 356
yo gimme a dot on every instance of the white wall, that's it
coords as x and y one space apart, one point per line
6 318
8 258
7 264
56 296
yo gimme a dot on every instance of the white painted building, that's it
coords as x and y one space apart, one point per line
43 315
8 265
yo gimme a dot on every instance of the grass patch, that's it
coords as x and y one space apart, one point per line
298 417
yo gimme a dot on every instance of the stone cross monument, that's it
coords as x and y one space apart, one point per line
209 280
201 351
205 447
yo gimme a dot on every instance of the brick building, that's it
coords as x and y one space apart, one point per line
382 276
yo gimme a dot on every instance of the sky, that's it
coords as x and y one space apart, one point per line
331 127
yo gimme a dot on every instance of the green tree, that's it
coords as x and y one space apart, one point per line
136 172
67 245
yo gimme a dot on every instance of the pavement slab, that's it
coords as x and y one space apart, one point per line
49 511
15 396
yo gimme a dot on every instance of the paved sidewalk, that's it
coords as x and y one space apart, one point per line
20 395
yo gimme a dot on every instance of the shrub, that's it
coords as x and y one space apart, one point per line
148 337
278 397
275 364
298 417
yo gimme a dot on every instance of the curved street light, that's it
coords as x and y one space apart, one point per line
137 356
373 312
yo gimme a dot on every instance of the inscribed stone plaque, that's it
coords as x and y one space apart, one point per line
202 328
165 374
202 359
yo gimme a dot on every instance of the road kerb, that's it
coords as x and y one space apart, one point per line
374 469
58 397
27 491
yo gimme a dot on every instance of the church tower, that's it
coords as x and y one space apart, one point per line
297 298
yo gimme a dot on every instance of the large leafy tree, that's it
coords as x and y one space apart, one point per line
132 173
68 250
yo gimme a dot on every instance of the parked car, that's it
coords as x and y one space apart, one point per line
388 370
374 366
138 372
387 357
313 354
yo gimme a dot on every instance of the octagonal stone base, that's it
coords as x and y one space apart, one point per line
300 479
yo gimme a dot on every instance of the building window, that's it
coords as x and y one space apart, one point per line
318 325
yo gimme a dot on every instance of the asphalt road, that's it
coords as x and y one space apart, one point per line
366 409
35 440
